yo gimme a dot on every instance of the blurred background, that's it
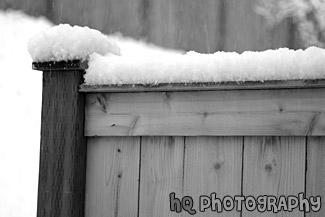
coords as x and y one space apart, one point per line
203 26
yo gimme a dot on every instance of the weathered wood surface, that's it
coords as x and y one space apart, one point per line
224 113
161 27
61 65
203 26
108 16
274 166
31 7
248 85
62 173
112 177
185 24
247 30
162 173
195 166
213 164
315 180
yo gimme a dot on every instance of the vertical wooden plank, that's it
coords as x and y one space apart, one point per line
274 166
185 24
161 174
246 30
108 16
61 187
123 16
315 180
32 7
112 176
72 12
213 164
198 25
162 23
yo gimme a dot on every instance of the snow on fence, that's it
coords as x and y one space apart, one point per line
143 143
122 150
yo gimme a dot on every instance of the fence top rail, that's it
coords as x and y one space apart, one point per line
174 87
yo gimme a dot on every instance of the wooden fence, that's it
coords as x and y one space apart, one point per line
144 143
204 26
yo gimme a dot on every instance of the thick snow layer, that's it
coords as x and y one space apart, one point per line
135 65
281 64
20 114
64 42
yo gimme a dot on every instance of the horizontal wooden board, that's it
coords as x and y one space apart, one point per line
248 85
194 113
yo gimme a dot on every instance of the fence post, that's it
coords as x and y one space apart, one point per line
62 169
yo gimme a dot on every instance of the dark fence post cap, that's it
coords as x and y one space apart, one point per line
61 65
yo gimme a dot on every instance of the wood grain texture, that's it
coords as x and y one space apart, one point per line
203 26
108 16
246 30
31 7
246 112
274 166
60 66
112 177
248 85
184 24
162 23
62 173
198 25
315 180
213 164
161 174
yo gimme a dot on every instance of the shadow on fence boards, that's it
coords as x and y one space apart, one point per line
203 26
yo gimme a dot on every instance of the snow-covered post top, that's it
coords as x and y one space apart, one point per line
64 43
61 53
